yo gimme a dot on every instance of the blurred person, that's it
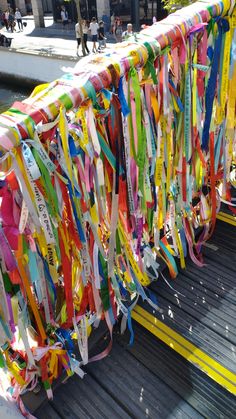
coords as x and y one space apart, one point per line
11 21
129 32
6 16
64 16
78 36
93 27
85 29
112 23
101 36
118 29
18 18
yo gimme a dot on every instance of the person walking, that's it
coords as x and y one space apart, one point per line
78 36
18 18
85 29
64 16
6 17
93 27
118 29
11 21
101 36
112 19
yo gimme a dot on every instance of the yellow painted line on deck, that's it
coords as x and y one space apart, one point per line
227 218
192 353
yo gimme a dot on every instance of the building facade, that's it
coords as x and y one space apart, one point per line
135 11
25 6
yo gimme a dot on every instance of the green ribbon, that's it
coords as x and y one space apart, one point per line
104 291
187 114
142 144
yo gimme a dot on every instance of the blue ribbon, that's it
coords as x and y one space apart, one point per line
77 220
124 106
169 256
130 327
183 240
218 147
223 26
177 98
73 150
48 275
107 94
64 336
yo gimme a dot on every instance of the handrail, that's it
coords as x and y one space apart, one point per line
105 172
159 36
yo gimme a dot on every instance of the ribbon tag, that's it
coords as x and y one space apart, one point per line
82 338
75 367
93 131
24 190
43 214
52 262
23 217
30 162
100 172
42 153
25 340
86 261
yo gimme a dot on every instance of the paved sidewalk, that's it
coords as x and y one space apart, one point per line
51 40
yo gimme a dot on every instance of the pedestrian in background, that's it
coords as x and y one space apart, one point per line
129 32
6 16
85 28
78 36
11 21
18 18
101 36
118 29
93 27
64 16
112 23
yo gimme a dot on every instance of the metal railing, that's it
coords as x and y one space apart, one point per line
106 172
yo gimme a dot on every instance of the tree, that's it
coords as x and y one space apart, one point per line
77 2
173 5
37 8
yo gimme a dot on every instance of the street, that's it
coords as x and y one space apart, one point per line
51 40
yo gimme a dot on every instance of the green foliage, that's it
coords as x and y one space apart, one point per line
172 5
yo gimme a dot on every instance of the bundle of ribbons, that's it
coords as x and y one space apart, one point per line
104 173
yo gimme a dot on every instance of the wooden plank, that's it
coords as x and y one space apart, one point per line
47 411
202 393
142 392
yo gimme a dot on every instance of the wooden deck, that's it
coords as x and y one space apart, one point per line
147 381
151 380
